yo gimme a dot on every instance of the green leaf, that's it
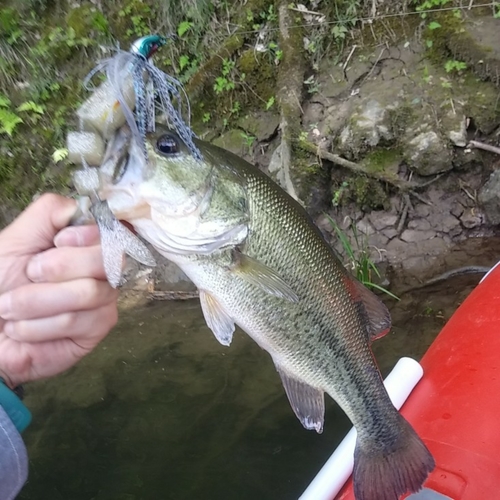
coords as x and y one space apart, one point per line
183 61
4 101
434 25
270 102
31 106
381 289
60 154
8 122
183 28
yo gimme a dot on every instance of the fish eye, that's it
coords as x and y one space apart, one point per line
120 169
167 145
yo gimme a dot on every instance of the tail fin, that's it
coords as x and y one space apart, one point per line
386 473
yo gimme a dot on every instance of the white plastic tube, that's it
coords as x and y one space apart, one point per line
336 471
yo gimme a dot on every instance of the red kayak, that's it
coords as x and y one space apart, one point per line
455 408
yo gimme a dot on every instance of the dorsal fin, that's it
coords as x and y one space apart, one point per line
377 314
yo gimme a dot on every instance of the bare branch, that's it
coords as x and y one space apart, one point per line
483 146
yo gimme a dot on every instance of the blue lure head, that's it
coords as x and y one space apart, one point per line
147 45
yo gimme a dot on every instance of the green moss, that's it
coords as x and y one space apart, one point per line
232 140
262 80
367 193
86 19
247 62
383 160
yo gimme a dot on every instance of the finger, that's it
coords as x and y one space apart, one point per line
77 236
66 264
34 230
84 328
42 300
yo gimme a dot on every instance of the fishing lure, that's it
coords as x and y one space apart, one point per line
136 92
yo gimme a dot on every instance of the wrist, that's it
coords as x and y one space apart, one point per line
6 380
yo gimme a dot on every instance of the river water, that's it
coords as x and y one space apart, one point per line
162 411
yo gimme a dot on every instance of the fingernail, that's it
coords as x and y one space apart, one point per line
6 305
34 269
68 237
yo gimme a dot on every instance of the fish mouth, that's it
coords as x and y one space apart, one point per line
116 159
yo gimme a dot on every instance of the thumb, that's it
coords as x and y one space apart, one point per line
34 230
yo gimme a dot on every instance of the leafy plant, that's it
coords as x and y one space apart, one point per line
60 154
183 61
275 52
31 106
138 13
434 25
8 121
339 32
429 5
338 193
496 10
360 263
311 84
183 28
453 65
248 139
270 102
225 83
4 101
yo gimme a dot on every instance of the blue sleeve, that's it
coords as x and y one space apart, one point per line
13 458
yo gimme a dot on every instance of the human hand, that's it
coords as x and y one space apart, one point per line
55 302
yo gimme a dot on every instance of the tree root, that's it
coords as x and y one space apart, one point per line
399 184
484 147
290 82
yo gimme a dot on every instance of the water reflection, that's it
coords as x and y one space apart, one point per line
162 411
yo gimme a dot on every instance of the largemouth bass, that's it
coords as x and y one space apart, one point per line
260 263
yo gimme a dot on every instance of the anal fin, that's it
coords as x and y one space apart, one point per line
221 324
308 403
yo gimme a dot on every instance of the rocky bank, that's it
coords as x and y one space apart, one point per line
399 113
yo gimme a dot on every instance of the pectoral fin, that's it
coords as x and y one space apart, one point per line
264 277
307 402
117 240
217 319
